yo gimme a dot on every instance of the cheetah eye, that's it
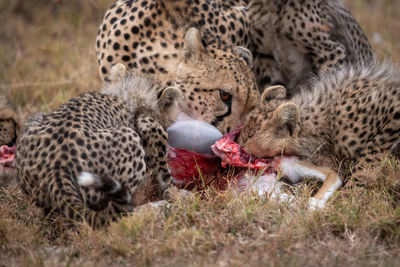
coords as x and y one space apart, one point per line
225 96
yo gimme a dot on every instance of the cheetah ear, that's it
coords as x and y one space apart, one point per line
286 119
169 105
118 72
272 97
193 48
273 92
245 54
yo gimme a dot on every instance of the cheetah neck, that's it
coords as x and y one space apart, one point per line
316 127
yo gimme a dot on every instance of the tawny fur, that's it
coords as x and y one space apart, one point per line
306 37
87 159
165 46
352 114
10 124
152 37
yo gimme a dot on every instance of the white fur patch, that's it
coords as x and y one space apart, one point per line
87 179
294 171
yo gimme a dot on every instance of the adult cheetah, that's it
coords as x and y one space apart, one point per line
352 113
86 159
157 37
289 40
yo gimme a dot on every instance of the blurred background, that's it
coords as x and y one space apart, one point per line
47 46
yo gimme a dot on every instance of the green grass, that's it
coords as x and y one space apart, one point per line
47 56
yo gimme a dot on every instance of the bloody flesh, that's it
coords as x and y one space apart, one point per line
187 166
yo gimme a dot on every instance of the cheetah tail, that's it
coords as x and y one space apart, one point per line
109 186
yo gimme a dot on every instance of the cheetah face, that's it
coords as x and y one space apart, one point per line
126 85
218 85
7 132
9 123
273 127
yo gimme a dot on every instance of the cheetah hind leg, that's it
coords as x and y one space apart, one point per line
71 205
118 193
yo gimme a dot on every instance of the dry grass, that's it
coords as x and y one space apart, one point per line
47 56
381 21
47 51
360 227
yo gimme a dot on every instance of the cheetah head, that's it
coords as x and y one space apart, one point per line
140 92
9 123
273 127
218 84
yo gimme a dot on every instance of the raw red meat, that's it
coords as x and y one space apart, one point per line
7 156
186 166
7 162
233 154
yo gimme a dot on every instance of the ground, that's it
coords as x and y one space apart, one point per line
47 56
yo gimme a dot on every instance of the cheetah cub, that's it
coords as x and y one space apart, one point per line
86 159
9 123
352 113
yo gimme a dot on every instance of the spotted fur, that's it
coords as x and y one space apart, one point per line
290 40
86 159
10 126
210 66
352 113
295 39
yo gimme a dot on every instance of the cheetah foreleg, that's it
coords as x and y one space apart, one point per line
155 145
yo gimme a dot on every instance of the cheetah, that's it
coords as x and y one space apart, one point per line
149 34
162 38
296 39
86 159
352 113
289 40
10 125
